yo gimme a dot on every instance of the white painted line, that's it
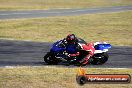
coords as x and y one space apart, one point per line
57 67
74 10
114 68
15 13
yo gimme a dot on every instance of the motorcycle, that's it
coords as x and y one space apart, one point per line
58 54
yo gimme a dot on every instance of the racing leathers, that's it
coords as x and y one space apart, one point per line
89 48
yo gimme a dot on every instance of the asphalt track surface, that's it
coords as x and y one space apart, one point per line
60 12
25 53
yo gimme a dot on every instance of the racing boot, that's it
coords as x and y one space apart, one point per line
85 61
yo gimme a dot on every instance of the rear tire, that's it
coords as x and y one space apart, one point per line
104 58
99 61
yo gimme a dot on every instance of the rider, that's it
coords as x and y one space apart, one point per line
73 49
71 44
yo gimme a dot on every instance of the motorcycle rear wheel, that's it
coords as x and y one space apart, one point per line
100 61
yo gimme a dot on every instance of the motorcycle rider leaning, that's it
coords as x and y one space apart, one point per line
74 49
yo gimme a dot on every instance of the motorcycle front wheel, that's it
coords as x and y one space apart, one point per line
50 59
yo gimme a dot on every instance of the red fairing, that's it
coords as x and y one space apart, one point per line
89 47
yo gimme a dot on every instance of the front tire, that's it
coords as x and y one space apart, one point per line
50 59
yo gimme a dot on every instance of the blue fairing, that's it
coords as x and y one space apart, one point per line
102 46
56 49
71 49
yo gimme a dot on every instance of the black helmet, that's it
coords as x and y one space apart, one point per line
71 38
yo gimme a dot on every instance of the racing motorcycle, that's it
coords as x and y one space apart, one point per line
58 54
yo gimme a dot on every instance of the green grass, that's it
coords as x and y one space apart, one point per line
115 28
61 77
53 4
